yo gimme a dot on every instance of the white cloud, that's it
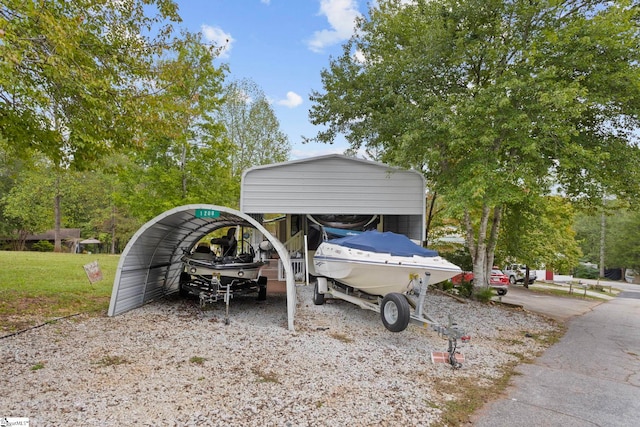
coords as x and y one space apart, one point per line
219 38
292 100
265 1
341 15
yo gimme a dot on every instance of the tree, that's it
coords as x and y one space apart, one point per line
72 73
73 76
251 127
539 233
622 247
494 100
184 158
29 203
622 237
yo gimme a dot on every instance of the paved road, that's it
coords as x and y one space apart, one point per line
590 378
561 308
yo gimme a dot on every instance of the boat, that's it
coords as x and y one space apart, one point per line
206 275
380 263
228 268
353 222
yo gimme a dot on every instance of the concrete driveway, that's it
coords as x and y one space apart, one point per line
560 308
590 378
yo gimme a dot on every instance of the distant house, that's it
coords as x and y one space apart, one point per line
69 237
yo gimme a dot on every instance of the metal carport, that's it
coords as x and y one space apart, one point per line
150 266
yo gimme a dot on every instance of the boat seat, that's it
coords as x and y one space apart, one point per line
228 244
203 252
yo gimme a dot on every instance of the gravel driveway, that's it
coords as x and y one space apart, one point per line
171 363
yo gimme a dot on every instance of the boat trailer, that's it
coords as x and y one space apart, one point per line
396 309
210 290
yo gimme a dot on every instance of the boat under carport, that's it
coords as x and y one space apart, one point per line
150 265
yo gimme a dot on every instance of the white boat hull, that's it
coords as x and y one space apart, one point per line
379 273
237 270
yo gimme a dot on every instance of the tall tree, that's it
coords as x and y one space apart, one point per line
252 127
495 100
73 75
184 158
622 236
539 232
72 72
29 204
622 246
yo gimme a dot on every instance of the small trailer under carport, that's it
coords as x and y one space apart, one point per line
150 265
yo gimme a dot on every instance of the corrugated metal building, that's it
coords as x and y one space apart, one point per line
336 184
150 264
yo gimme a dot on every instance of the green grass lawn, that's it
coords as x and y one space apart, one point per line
37 286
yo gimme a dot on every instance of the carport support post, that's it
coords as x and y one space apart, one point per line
227 299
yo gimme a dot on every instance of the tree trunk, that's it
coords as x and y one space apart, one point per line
430 215
602 242
493 241
183 170
57 244
481 248
113 230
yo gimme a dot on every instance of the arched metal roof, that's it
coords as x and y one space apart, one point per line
150 265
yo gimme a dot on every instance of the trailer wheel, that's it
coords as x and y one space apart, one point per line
318 298
184 279
262 290
395 312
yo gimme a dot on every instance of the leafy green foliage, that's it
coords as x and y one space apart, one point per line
622 237
107 118
496 101
539 232
71 74
251 127
43 246
466 288
184 157
585 272
483 294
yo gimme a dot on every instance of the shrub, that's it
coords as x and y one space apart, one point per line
465 289
585 272
447 285
483 294
43 246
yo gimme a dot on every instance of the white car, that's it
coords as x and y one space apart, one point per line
516 272
629 275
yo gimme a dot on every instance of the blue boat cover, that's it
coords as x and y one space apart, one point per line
387 242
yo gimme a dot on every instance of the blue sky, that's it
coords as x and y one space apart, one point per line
282 45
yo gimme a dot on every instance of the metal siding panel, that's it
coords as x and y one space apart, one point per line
332 185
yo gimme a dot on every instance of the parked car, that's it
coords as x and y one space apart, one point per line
498 280
629 275
516 273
